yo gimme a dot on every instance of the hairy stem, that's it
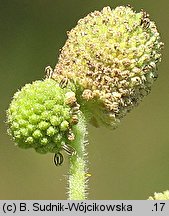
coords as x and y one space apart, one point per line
77 184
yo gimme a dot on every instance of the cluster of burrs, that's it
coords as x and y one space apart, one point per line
105 68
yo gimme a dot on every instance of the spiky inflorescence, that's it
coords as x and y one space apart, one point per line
160 196
111 56
40 116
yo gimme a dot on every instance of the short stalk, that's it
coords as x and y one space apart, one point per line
77 175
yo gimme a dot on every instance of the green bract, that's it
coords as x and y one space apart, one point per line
39 118
111 56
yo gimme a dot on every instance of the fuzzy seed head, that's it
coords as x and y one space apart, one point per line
38 117
111 56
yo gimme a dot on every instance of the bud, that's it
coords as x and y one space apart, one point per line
112 57
39 118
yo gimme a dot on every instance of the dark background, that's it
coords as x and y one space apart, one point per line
130 162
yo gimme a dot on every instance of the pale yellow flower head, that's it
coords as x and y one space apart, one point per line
160 196
111 56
